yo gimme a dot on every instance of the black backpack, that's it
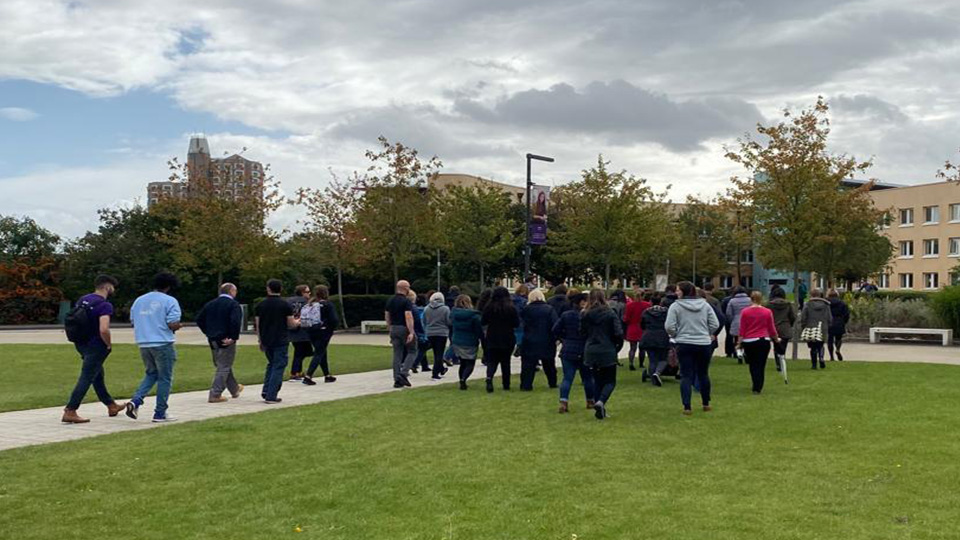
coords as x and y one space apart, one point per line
79 324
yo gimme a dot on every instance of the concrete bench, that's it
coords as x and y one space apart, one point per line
945 333
366 326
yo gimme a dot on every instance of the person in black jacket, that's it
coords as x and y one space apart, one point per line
567 330
560 302
838 325
500 320
320 331
655 340
538 346
601 327
220 320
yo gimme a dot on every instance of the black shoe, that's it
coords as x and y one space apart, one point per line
656 380
405 381
444 371
131 410
437 378
489 386
397 384
415 369
309 381
839 356
463 385
823 365
329 378
644 377
273 401
813 366
633 367
599 411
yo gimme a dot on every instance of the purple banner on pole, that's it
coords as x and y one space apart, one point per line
538 217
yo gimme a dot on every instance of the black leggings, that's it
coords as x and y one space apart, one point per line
439 346
528 371
756 353
605 380
635 350
320 344
834 341
498 358
466 368
816 352
301 350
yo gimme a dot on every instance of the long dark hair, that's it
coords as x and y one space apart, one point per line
484 299
500 304
597 300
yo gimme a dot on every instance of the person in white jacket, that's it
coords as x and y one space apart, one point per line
691 322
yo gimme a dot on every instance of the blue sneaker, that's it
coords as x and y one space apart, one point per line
163 419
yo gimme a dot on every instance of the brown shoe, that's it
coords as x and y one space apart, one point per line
115 408
707 408
563 407
590 404
218 399
687 412
239 391
70 416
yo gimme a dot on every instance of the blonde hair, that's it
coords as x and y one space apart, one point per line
521 289
411 295
463 301
756 297
536 295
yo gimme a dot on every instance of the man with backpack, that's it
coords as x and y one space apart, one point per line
88 327
220 320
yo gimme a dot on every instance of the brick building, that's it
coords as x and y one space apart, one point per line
228 177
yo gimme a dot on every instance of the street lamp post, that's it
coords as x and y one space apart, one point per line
529 247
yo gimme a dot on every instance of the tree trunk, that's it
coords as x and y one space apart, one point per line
606 276
481 277
343 310
219 280
396 271
796 300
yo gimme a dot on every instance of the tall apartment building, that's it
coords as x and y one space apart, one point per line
229 177
924 226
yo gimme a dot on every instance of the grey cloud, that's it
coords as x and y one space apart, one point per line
863 104
620 110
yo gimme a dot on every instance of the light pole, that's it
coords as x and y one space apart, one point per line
529 247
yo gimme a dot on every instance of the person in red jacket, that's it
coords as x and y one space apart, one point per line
757 331
631 322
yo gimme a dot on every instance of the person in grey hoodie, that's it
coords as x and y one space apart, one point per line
739 302
437 323
816 314
691 322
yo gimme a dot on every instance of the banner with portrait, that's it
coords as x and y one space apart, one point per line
538 214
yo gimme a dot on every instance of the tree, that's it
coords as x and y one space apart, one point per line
607 220
705 238
23 238
793 190
478 228
331 212
394 218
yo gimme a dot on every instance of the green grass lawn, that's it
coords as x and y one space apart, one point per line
33 376
860 451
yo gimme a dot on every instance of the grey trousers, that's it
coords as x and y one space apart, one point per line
404 354
223 358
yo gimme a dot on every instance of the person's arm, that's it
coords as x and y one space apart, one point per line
293 322
386 317
792 315
713 323
236 323
173 317
671 324
411 333
105 331
256 330
557 329
202 319
333 321
771 327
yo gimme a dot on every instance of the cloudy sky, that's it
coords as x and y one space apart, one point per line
95 95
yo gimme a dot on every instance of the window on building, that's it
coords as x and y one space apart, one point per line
747 281
954 278
746 256
726 282
906 217
931 280
885 220
954 247
931 214
906 249
883 281
955 213
931 247
906 281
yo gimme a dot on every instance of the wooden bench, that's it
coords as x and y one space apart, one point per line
945 333
366 326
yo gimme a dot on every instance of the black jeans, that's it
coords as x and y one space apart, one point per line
421 361
528 371
91 374
658 360
498 358
635 350
756 353
834 341
605 380
729 345
816 352
321 342
439 346
466 368
694 363
301 350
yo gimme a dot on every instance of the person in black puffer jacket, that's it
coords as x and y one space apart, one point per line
538 345
655 340
601 327
838 325
567 329
500 320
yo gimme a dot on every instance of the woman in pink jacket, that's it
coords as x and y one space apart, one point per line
757 331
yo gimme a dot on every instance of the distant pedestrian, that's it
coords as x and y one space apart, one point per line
437 322
398 315
737 304
710 298
500 320
155 317
632 317
466 334
302 348
567 330
419 303
729 344
840 317
601 327
618 303
273 321
815 322
539 346
784 317
560 302
655 341
320 319
757 333
220 320
88 327
519 299
691 322
802 293
450 299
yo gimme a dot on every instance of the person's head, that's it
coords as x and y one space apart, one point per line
421 300
687 289
403 287
597 299
302 290
164 281
777 292
833 294
655 298
411 295
454 292
537 295
321 292
578 300
105 284
670 289
572 291
739 289
229 288
437 297
756 297
702 293
619 296
708 287
816 293
521 290
274 287
501 294
560 289
463 301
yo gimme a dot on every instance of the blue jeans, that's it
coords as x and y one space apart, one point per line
694 364
571 366
91 374
273 376
158 362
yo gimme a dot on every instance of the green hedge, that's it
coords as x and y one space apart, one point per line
946 304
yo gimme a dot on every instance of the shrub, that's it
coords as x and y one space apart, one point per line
866 312
946 304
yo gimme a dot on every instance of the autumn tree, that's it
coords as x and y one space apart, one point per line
703 240
29 272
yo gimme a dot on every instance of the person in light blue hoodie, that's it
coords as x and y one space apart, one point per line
155 317
692 323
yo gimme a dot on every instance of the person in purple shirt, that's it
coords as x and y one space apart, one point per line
94 351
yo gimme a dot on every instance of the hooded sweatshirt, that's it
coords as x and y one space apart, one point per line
816 311
692 321
603 333
738 303
436 317
784 316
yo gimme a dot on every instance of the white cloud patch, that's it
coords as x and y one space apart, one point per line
17 114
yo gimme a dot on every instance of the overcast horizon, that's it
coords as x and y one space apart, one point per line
96 96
